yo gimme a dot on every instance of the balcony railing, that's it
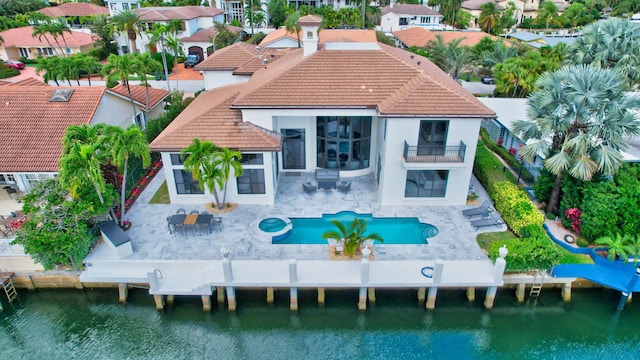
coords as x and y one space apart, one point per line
432 154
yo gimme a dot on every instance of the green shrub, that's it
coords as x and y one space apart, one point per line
256 38
28 61
534 231
170 59
506 156
527 254
489 170
550 216
600 211
111 83
7 72
544 185
198 93
516 208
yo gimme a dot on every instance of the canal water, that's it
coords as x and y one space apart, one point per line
91 324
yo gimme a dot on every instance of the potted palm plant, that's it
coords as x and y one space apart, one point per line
352 236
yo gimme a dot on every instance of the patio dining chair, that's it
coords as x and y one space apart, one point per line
181 211
194 212
216 220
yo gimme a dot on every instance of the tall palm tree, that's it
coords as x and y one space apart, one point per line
226 160
580 119
57 29
199 159
128 21
451 58
125 144
50 67
41 31
121 68
146 65
70 70
87 64
292 26
499 55
157 34
609 44
88 135
489 18
81 167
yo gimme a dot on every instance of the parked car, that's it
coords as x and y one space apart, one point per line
488 80
192 60
14 64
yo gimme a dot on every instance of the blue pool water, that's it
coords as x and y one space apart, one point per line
392 230
272 224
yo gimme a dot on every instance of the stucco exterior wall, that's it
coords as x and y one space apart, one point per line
216 79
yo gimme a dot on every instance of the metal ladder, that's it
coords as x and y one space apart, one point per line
7 285
536 285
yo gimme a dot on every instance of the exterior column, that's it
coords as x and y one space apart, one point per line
520 289
159 300
206 302
422 292
471 294
431 298
270 295
122 292
321 296
293 279
566 292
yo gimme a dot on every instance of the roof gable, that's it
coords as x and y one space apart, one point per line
74 9
22 36
139 94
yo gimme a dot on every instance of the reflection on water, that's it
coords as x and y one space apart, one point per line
69 324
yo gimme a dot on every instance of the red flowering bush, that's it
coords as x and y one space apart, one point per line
16 224
142 183
499 142
573 215
513 151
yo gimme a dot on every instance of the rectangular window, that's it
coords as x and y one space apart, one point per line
23 52
426 183
425 19
176 159
404 21
185 184
309 34
125 6
252 159
134 6
251 182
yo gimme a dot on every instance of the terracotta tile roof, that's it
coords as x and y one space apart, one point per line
168 13
32 126
74 9
310 20
210 118
205 35
409 9
278 34
25 82
339 35
20 37
230 57
257 62
420 37
139 94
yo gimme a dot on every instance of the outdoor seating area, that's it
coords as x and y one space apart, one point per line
490 217
327 179
194 222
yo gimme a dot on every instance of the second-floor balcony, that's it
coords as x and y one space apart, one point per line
434 154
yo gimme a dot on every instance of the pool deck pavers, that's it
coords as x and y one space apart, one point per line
151 239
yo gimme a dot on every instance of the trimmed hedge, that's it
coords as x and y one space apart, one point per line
489 170
506 156
527 254
515 206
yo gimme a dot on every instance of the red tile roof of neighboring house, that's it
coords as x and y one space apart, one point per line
325 36
278 34
22 37
33 127
210 118
409 9
205 35
310 20
24 82
168 13
420 37
139 94
230 57
74 9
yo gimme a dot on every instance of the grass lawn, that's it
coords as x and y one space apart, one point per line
486 239
161 196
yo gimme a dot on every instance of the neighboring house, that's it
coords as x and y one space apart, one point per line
541 39
193 18
281 38
74 12
19 42
203 40
358 108
139 95
116 6
34 117
421 37
403 16
523 8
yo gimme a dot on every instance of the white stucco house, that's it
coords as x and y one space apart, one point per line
355 107
396 17
34 117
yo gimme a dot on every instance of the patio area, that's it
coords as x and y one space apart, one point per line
151 239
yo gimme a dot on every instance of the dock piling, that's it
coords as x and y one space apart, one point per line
122 292
422 293
566 292
159 300
431 298
471 294
362 299
270 295
520 290
321 296
206 303
371 292
231 297
220 295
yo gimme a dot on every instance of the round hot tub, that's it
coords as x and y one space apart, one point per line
272 225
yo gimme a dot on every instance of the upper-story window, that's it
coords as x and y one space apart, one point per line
125 6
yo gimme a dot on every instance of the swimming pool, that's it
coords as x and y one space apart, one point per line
392 230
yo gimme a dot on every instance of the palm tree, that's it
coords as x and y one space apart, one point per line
127 143
199 159
580 119
87 64
489 18
226 160
451 58
128 21
81 167
157 35
50 67
40 31
69 70
352 236
292 26
618 246
610 44
500 54
120 68
58 28
146 65
88 135
548 14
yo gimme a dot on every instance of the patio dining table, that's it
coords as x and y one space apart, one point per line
193 219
